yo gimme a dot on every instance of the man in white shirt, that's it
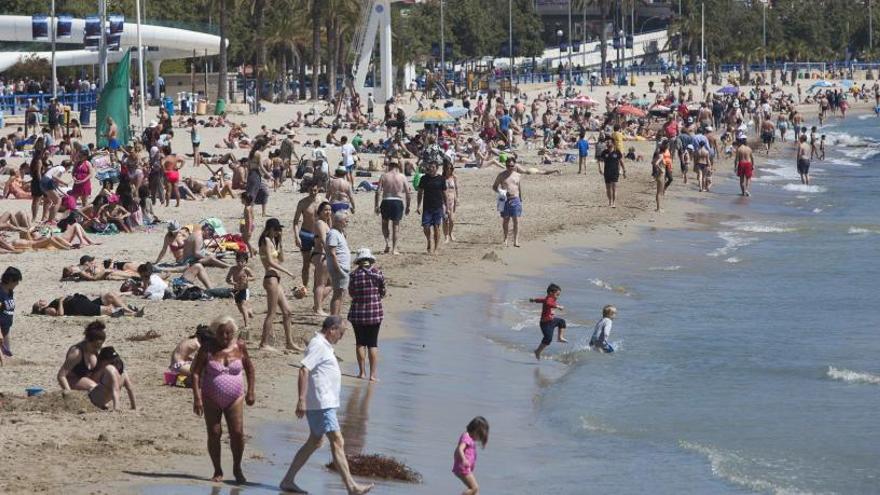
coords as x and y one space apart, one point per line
319 385
348 158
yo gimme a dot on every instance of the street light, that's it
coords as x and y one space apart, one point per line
559 34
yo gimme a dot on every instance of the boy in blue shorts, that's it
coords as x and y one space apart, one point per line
549 321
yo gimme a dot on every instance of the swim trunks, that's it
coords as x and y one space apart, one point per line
512 208
306 240
803 166
242 295
601 346
432 217
767 137
547 328
391 209
744 169
114 144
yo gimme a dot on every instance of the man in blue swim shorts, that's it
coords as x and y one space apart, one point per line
508 186
304 227
319 383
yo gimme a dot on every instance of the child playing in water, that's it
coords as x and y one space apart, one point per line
822 147
240 276
465 457
599 340
549 322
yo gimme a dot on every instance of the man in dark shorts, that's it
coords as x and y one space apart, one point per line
432 199
392 202
803 159
613 161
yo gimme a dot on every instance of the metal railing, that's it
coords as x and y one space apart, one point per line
16 104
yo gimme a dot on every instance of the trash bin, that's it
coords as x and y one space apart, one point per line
85 116
169 106
220 107
202 107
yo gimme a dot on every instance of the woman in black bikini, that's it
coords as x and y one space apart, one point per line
109 304
81 359
272 255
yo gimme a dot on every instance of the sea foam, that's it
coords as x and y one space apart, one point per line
804 188
849 376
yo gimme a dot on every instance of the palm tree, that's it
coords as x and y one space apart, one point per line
315 9
341 18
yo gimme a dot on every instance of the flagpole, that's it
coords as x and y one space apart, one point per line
54 66
141 85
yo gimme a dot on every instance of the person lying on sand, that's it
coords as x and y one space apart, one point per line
108 304
88 270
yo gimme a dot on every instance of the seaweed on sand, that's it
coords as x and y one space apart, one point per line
379 466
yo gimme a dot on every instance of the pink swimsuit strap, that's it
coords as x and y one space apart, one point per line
223 384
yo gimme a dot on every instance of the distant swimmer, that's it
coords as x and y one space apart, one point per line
599 340
549 321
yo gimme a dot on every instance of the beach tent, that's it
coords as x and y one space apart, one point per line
433 117
728 90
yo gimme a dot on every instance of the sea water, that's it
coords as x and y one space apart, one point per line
747 358
748 347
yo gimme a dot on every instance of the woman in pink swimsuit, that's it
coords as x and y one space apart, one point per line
218 390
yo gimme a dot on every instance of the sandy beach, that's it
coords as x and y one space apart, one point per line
58 443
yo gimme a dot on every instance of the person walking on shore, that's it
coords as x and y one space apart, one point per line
657 172
508 186
319 383
465 456
431 199
583 147
392 202
613 162
804 153
272 257
745 166
304 227
218 390
338 260
366 288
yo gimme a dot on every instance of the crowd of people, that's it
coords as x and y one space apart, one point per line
140 177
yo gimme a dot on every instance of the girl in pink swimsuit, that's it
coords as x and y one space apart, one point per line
465 456
218 388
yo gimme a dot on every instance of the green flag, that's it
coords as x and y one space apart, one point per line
113 103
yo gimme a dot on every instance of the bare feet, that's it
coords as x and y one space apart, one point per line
360 489
218 477
267 347
290 346
562 339
516 244
361 375
387 250
291 487
320 312
537 355
374 379
396 253
239 476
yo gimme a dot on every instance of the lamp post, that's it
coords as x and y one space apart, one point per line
510 41
442 47
54 67
559 34
570 81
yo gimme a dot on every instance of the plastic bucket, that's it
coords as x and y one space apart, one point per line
32 391
170 378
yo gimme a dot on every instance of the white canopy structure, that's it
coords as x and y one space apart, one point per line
164 43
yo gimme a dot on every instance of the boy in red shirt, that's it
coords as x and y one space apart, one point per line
549 322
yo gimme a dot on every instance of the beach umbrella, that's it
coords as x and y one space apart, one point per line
660 108
581 101
456 112
433 117
728 90
631 110
847 83
641 102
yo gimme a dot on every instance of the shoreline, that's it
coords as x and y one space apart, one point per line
459 269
